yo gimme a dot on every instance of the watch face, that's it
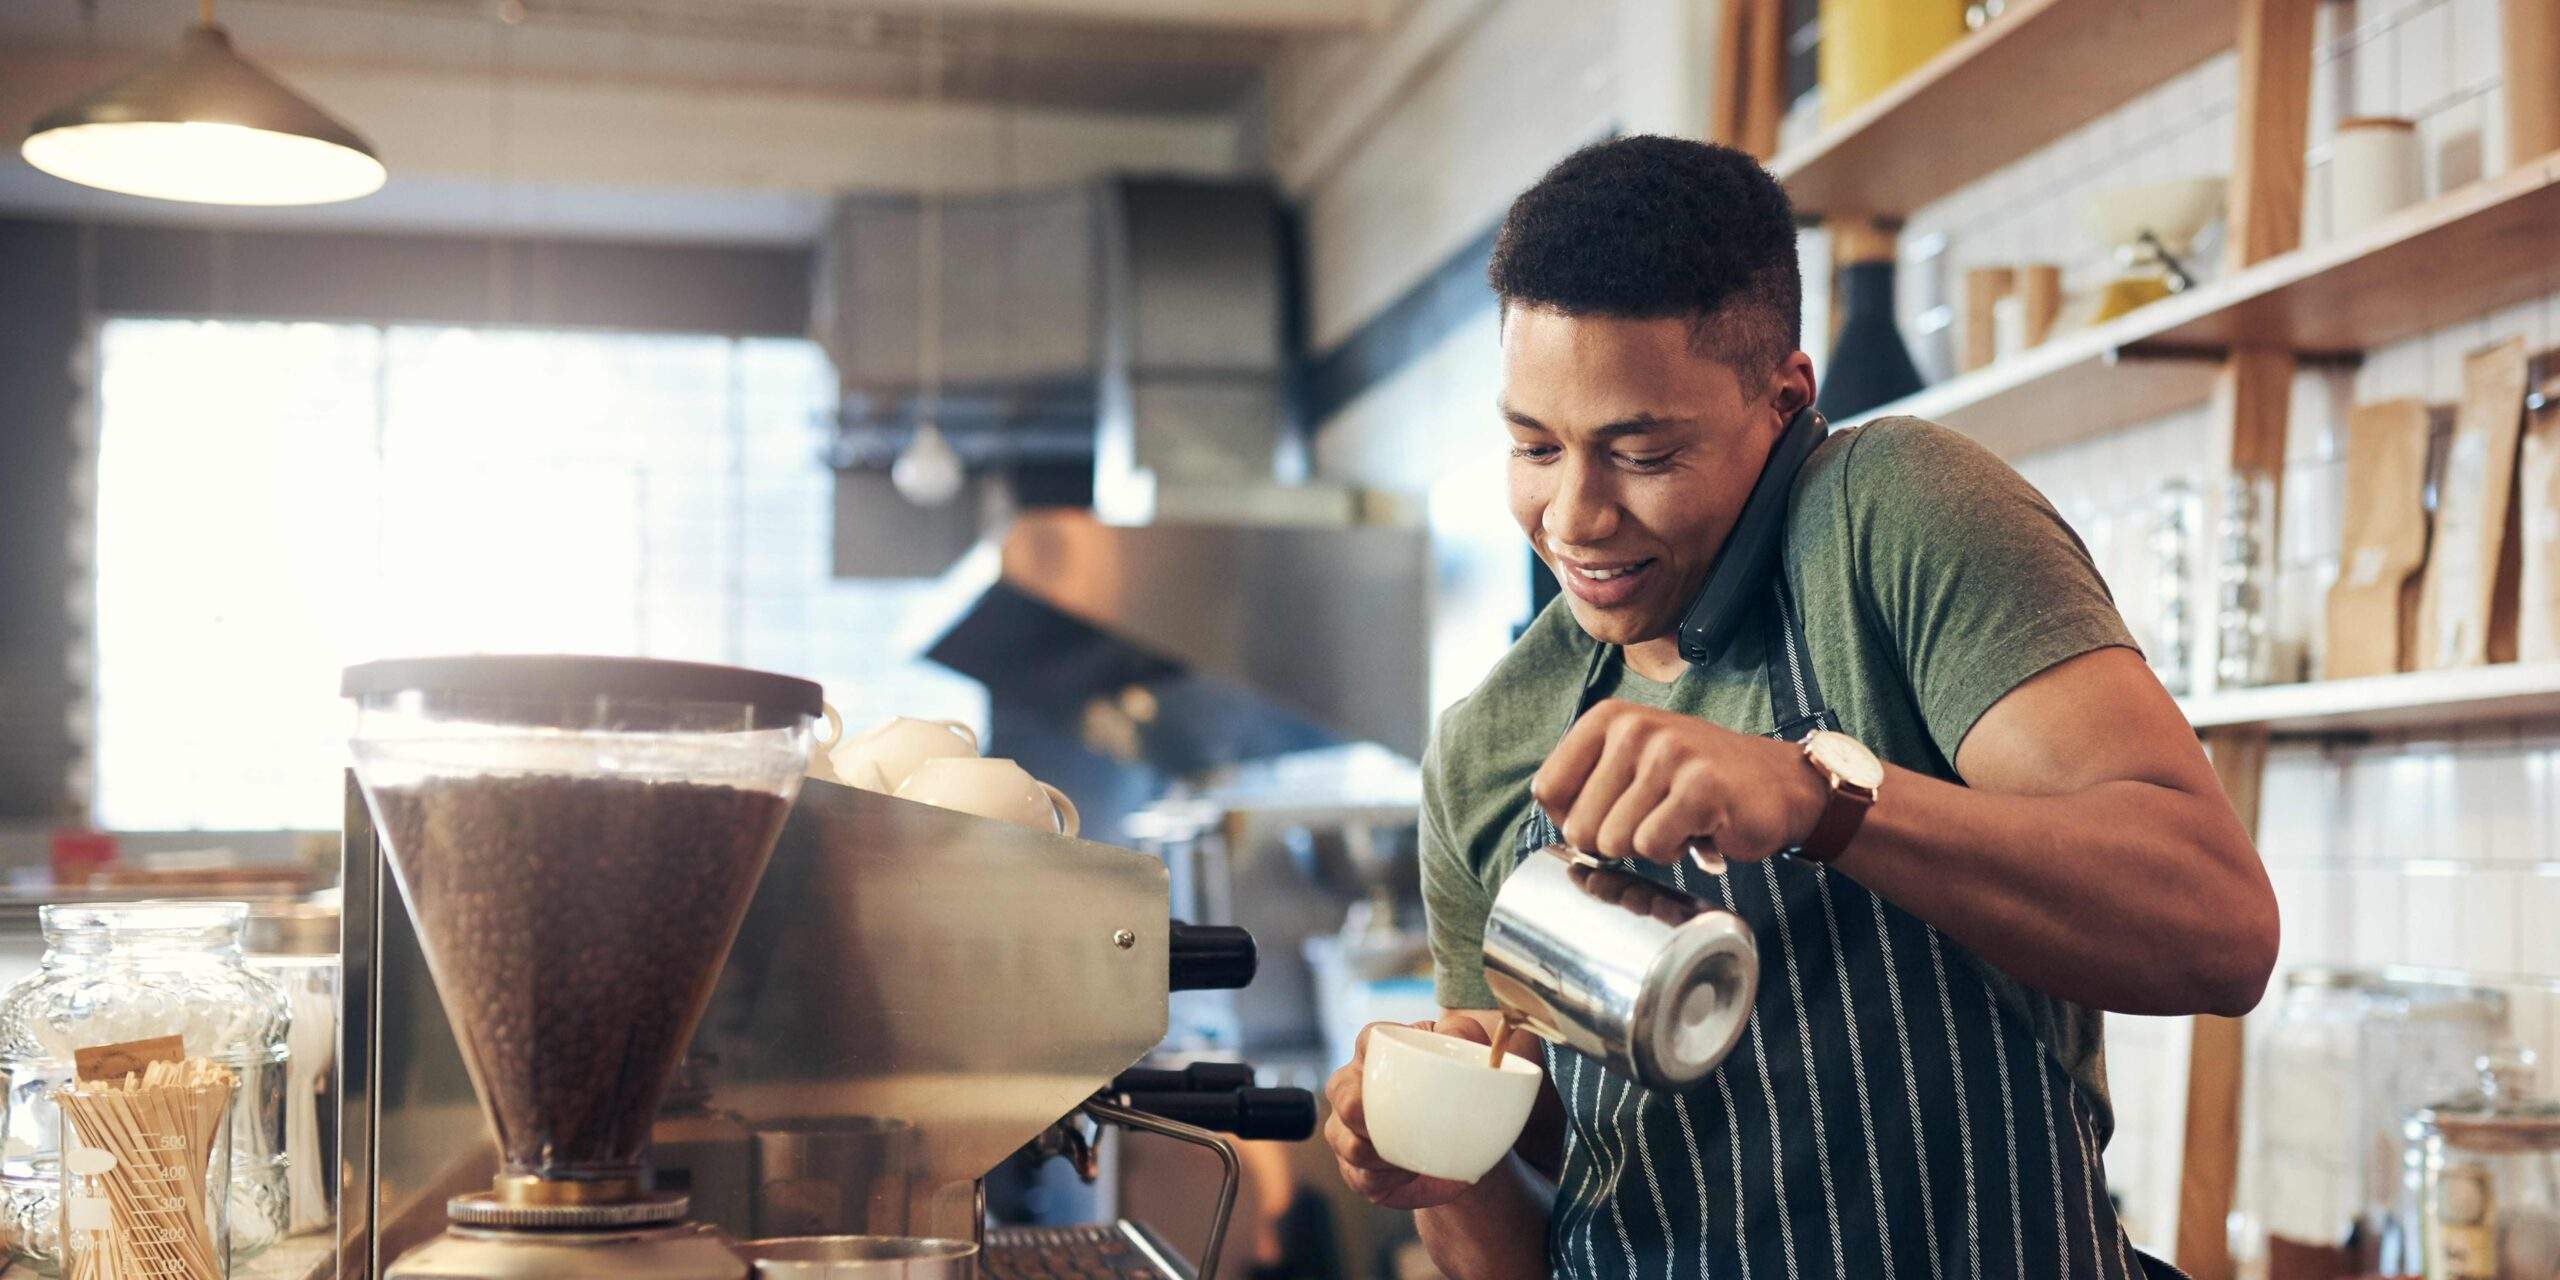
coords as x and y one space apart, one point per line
1846 758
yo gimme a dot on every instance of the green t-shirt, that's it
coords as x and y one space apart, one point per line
1931 578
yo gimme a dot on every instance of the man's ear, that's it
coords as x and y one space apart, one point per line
1792 391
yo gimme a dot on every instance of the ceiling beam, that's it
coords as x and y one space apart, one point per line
476 152
1274 17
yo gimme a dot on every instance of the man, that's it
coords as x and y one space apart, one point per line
1921 1091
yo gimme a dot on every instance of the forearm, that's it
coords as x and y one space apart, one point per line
2125 895
1497 1231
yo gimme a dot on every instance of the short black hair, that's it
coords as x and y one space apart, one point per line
1646 227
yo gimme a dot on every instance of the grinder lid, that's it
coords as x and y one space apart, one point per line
776 698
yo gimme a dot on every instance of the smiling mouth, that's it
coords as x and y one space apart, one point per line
1605 586
1609 574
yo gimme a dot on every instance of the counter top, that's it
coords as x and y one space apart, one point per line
300 1258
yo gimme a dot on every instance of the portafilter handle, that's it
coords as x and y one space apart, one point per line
1210 957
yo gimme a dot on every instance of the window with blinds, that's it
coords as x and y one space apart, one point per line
275 501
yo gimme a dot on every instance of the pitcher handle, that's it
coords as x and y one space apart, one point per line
835 726
1066 810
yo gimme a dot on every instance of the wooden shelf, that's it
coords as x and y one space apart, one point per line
2066 389
2491 244
2039 71
2417 700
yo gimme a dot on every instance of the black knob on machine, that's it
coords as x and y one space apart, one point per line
1211 957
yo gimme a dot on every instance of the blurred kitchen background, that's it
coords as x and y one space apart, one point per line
1115 376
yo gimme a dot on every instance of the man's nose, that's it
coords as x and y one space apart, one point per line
1583 511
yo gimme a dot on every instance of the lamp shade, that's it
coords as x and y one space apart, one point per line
209 126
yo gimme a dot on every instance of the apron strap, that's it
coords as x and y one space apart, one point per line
1795 696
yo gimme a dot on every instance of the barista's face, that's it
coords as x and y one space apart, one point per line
1631 455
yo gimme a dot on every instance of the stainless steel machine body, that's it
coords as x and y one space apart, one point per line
972 980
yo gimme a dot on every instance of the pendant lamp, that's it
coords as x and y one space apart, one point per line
209 126
929 471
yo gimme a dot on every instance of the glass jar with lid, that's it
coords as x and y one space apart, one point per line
2490 1208
295 946
2333 1075
119 972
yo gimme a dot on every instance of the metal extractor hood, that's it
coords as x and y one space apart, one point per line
1188 646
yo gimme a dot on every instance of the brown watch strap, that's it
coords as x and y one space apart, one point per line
1843 812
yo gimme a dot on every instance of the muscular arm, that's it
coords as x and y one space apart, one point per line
2090 854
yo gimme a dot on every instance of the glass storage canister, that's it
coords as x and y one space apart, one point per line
295 946
2332 1076
2491 1206
119 972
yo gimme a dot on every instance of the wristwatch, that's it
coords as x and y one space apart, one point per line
1854 775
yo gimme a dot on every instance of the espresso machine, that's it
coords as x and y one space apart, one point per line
713 1019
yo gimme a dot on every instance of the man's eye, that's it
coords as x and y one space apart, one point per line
1533 452
1644 462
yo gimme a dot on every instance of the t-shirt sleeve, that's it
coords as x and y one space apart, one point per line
1975 579
1455 900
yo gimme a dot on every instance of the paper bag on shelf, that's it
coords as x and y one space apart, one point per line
2467 608
2538 497
2383 543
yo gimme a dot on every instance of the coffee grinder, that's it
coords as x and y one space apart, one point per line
578 840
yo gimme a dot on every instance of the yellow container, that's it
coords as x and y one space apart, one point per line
1869 44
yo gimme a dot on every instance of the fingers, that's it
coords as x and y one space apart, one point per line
1464 1029
1692 809
1342 1099
1617 835
1352 1148
1609 780
1561 778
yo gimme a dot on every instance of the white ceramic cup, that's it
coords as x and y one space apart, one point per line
1437 1107
992 788
2374 172
881 759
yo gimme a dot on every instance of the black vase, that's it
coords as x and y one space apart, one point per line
1869 365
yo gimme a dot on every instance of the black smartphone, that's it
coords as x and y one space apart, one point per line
1738 582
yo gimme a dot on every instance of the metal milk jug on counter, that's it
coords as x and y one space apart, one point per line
1647 978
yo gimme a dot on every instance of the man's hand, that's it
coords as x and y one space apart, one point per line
1634 782
1346 1130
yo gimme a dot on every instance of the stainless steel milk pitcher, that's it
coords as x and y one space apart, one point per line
1653 981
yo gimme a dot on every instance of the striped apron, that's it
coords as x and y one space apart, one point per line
1884 1114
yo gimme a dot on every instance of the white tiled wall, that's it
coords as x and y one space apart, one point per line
2436 853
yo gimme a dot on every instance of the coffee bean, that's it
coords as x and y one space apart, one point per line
575 926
